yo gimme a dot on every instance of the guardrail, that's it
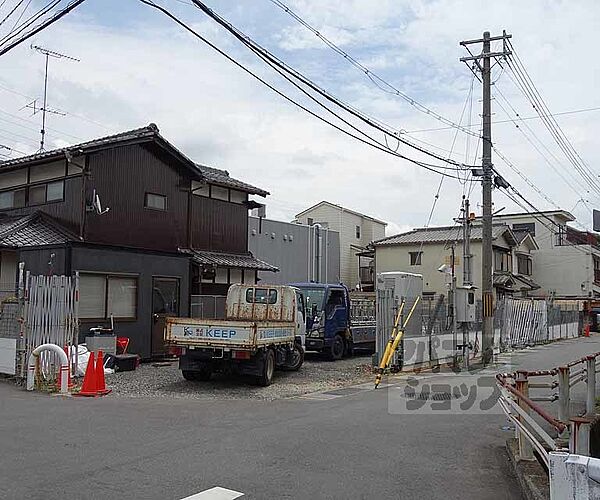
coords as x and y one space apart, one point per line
529 417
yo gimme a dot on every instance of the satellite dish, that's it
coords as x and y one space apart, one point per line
98 205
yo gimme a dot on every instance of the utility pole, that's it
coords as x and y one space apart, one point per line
467 277
483 64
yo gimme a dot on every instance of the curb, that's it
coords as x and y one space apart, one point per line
531 476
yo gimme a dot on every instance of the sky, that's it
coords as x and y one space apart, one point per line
138 67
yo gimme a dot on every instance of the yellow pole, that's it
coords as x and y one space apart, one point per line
401 333
388 352
388 346
394 341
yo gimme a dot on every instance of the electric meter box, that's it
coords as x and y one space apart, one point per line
465 304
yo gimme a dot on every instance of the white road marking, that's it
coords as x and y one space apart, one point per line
216 493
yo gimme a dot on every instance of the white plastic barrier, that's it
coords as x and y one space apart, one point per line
64 366
574 477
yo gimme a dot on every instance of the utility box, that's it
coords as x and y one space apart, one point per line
465 304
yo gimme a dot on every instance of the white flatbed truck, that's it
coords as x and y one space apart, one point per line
264 329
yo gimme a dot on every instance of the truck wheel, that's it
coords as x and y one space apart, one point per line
196 375
337 348
267 369
297 359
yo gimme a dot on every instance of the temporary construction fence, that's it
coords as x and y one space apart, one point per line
527 322
45 310
50 316
517 323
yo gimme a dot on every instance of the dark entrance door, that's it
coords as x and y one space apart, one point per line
165 302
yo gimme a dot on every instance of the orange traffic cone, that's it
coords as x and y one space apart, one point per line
90 385
101 389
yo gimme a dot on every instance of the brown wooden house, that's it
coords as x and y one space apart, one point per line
148 229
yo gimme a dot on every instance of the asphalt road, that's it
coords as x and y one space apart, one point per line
346 445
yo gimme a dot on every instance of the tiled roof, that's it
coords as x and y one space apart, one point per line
36 229
143 134
221 178
438 235
241 261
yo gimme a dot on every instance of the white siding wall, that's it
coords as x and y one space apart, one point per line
544 229
563 270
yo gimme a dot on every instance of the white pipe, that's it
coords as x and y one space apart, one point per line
64 366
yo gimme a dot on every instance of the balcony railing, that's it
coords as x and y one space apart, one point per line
573 237
597 276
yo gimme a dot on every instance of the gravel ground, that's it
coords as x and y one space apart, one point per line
167 382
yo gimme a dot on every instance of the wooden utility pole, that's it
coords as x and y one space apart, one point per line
482 62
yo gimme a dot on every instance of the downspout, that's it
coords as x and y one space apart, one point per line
83 215
318 243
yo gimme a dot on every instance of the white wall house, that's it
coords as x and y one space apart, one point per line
356 232
424 251
567 262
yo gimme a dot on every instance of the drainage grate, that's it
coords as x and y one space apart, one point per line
427 396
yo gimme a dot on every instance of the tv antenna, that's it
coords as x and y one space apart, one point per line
44 109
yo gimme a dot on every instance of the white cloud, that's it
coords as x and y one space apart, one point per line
218 115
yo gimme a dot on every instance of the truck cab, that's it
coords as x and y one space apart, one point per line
327 319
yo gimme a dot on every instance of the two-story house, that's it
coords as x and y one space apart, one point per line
428 251
356 232
145 226
567 261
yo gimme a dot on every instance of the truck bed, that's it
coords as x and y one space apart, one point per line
227 333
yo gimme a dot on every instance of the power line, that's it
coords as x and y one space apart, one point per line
29 21
271 60
521 118
528 88
289 99
40 27
377 80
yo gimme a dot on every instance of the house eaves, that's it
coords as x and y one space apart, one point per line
148 134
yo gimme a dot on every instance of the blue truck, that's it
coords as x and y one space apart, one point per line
337 321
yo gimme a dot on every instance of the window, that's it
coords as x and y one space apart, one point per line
37 195
155 201
55 191
310 221
219 193
358 232
12 199
200 189
47 171
238 196
102 295
526 226
524 265
415 258
502 261
261 296
44 193
14 178
235 276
